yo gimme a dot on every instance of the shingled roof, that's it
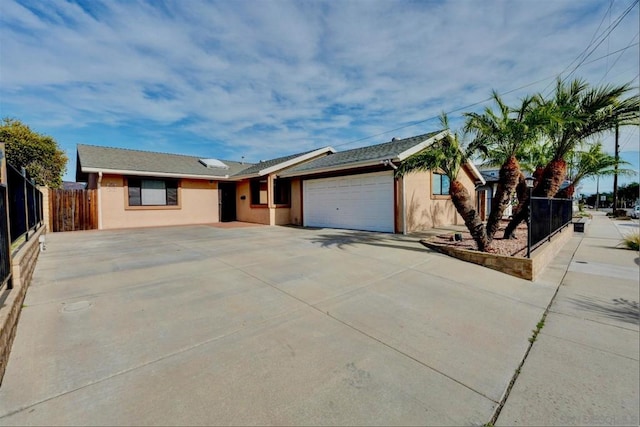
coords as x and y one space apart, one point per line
392 150
92 158
273 165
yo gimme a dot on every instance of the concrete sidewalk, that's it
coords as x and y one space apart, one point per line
583 369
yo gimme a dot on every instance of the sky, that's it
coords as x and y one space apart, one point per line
255 80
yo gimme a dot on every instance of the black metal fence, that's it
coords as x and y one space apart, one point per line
25 204
5 240
548 216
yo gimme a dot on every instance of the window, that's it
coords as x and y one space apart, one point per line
152 192
259 191
440 185
282 191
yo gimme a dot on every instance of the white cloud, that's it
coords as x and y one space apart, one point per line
269 78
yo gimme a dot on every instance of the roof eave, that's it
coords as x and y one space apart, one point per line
346 166
476 172
151 173
296 160
422 145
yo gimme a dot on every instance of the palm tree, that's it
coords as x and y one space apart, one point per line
576 113
447 155
593 162
503 135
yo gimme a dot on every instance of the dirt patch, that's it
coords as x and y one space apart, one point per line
516 247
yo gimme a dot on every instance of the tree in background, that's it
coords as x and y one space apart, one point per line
590 163
629 193
448 155
39 154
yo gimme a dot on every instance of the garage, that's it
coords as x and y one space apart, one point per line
357 202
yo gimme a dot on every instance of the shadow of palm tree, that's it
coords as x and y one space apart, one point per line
350 238
618 308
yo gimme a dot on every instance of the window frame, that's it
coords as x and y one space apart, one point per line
282 186
135 183
256 187
437 186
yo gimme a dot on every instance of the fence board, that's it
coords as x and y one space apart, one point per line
73 210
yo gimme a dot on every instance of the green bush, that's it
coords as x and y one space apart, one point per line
632 241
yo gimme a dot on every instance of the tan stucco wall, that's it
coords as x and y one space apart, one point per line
244 211
423 210
282 216
198 201
268 214
295 212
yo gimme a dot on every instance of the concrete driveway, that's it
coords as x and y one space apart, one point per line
265 325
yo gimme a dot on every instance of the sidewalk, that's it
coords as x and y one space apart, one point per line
583 367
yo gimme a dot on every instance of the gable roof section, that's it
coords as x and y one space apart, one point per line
397 150
280 163
123 161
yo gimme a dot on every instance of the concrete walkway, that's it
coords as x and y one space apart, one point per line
583 368
275 325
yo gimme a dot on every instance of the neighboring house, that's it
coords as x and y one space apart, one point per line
486 192
353 189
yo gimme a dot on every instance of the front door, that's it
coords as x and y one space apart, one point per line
227 201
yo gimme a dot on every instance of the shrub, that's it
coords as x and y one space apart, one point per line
632 241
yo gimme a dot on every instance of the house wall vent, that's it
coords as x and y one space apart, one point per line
213 163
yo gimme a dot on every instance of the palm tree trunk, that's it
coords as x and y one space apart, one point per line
521 193
507 183
465 207
547 185
566 193
552 178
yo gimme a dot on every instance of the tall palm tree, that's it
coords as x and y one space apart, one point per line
448 155
503 133
592 162
576 113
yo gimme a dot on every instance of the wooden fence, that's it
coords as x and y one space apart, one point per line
72 210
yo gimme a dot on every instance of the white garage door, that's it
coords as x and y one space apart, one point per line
358 202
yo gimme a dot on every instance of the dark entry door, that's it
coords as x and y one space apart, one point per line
227 201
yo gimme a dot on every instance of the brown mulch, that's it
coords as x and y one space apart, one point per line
511 247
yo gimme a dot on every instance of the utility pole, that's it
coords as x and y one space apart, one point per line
597 191
615 173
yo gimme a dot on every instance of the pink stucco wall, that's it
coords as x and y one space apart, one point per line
424 210
198 204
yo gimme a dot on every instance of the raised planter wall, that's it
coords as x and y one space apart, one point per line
524 268
22 265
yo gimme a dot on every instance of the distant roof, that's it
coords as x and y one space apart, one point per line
392 150
93 158
67 185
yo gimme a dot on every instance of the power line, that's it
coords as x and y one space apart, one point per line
606 36
482 101
616 61
607 12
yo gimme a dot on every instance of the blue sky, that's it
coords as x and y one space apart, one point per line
260 79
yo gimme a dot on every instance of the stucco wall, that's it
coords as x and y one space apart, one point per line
295 212
198 204
244 211
424 210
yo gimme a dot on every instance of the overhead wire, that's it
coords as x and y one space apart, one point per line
582 62
481 101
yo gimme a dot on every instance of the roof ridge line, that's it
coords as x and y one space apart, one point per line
159 152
